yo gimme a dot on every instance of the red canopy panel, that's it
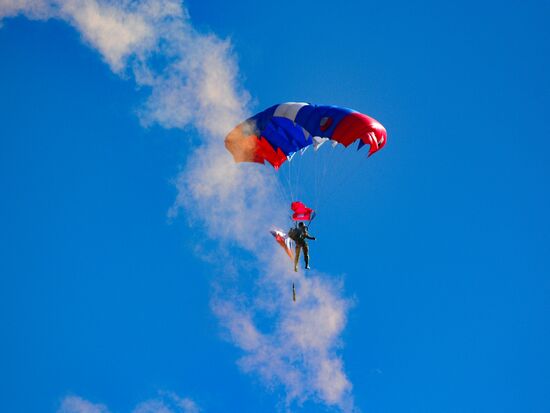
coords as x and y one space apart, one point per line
301 212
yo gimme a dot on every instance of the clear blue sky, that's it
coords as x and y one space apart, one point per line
444 244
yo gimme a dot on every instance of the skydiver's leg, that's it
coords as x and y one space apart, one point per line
297 257
306 255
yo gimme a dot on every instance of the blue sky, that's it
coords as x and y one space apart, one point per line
440 240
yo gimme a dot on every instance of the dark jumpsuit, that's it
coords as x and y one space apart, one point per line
301 244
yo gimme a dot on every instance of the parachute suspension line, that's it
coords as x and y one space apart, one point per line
342 165
311 220
316 178
292 180
330 189
285 181
292 172
327 159
289 180
356 165
315 171
353 166
280 187
322 165
299 180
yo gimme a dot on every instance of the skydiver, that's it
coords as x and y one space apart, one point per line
301 244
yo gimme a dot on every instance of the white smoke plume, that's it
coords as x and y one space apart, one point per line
193 81
76 404
165 403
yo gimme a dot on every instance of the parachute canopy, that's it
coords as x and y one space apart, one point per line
277 133
301 212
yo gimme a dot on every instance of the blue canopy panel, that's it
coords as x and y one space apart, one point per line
321 120
282 133
262 119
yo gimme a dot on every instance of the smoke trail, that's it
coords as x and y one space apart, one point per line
193 80
165 403
75 404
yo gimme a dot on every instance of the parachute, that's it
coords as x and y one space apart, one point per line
277 133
